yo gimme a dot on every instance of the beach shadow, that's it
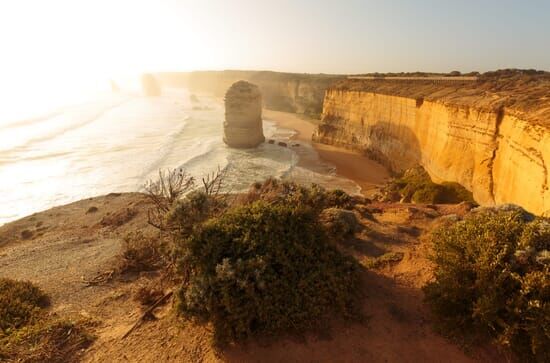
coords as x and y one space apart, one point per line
396 147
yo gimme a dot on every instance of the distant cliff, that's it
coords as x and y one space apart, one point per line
291 92
149 85
492 136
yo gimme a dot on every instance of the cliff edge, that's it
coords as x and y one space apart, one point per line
491 135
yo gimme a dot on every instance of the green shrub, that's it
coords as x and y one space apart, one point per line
21 303
265 268
192 210
417 186
492 277
314 196
339 223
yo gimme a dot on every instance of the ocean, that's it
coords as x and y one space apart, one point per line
117 142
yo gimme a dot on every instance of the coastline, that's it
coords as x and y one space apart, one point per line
365 172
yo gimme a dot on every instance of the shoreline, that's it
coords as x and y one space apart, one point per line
366 173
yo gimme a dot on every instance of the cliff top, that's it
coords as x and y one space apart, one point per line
524 93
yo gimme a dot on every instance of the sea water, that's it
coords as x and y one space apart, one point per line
117 142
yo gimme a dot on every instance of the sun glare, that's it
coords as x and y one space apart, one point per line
57 51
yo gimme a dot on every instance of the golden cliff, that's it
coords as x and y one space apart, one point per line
492 136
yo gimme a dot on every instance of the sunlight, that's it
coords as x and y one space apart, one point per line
65 50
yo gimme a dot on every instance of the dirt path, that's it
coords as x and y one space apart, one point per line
68 244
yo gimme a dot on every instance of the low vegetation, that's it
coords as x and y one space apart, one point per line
258 263
27 334
142 252
314 196
492 278
265 268
21 304
416 186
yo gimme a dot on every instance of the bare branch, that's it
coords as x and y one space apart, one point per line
171 185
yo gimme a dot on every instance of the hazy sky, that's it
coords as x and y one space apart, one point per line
68 37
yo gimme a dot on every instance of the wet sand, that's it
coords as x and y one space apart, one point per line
367 173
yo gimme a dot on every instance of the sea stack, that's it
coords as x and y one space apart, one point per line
243 116
150 85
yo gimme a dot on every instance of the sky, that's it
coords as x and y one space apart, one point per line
78 41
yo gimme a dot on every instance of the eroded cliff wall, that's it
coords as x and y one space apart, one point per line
290 92
498 155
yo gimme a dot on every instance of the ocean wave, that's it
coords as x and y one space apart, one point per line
58 132
32 120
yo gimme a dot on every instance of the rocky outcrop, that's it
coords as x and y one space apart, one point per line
150 86
243 116
501 154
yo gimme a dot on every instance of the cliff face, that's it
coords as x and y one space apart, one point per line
290 92
500 154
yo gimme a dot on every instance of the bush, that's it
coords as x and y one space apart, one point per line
492 277
339 223
315 196
53 342
265 268
191 211
142 253
21 303
416 186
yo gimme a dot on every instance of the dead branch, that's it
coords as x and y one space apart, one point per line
169 187
147 314
100 278
213 182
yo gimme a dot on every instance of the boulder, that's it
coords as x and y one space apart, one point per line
243 116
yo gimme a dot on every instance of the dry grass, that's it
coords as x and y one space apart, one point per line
55 342
119 218
142 253
27 334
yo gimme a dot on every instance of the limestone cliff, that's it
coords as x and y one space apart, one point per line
243 116
290 92
494 138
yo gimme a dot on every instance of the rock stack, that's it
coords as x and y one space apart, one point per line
243 116
150 85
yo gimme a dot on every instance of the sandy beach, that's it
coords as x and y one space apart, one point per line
367 173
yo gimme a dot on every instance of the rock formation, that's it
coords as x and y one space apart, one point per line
492 136
243 116
149 85
289 92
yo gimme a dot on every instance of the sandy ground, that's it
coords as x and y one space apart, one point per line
69 242
367 173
